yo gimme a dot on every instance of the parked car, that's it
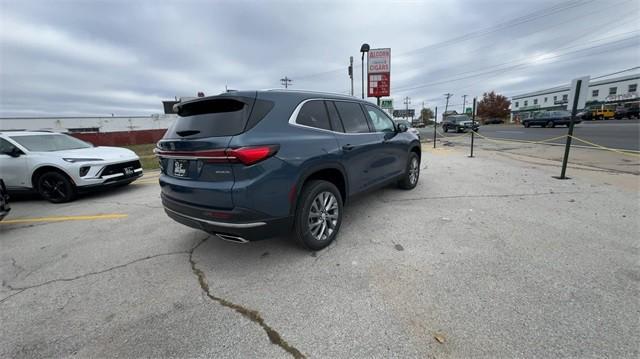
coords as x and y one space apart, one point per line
459 123
550 119
602 113
256 164
58 166
4 200
627 112
409 128
493 121
585 115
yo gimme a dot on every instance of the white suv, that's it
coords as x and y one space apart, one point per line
59 166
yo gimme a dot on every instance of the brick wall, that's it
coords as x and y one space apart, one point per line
121 138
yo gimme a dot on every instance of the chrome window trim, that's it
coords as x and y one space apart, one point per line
296 111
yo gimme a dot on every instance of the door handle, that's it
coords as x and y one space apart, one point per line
348 147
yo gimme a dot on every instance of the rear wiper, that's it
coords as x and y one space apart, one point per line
187 133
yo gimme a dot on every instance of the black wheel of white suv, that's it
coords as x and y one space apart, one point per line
412 173
318 215
55 187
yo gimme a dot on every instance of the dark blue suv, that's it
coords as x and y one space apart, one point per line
256 164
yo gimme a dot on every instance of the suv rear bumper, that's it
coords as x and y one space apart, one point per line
246 228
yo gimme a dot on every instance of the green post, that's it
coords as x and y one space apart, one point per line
571 123
435 124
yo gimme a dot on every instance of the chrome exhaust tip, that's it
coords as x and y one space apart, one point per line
231 238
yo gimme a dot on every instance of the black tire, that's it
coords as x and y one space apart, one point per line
55 187
445 128
526 125
551 124
308 236
408 181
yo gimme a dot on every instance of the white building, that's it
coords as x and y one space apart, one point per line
88 124
613 91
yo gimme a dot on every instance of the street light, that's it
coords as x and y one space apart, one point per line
364 48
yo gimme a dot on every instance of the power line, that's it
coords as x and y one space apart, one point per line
521 64
513 22
617 72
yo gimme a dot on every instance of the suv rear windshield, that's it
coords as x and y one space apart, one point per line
218 117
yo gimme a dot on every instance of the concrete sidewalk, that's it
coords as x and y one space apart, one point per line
488 257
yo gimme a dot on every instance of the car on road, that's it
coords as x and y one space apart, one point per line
409 127
59 166
550 119
627 112
249 165
459 123
493 121
4 200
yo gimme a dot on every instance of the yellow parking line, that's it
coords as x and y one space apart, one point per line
64 218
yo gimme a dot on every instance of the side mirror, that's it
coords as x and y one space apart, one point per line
402 127
15 152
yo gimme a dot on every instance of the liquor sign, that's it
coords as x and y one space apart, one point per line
386 103
379 72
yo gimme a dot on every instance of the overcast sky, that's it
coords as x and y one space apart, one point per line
124 57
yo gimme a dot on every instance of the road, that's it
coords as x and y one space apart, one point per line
486 258
622 134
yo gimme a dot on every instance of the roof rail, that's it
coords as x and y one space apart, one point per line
308 91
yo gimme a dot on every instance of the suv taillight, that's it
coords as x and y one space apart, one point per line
253 154
245 155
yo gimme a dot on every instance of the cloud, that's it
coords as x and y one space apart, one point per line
53 42
124 57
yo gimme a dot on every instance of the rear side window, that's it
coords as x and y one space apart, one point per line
218 117
334 118
352 117
314 114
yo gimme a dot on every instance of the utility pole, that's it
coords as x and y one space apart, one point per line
407 101
351 72
464 102
447 95
285 82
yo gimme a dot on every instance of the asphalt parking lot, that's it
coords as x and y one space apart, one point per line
487 257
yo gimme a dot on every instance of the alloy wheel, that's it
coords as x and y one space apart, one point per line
414 170
53 188
323 216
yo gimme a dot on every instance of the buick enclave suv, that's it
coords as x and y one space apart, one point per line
251 165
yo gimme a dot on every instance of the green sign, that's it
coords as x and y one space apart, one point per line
468 110
386 103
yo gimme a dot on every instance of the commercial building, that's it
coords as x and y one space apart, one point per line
610 92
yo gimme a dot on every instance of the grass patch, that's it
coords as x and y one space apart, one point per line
145 152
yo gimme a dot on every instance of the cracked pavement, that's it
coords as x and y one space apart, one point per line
487 257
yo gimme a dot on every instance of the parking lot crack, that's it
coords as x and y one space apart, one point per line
71 279
250 314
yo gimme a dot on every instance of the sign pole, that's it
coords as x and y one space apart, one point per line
569 136
378 100
473 122
435 125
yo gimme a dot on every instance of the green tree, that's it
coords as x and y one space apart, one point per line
493 105
426 114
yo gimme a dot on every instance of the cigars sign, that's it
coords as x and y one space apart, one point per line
379 72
